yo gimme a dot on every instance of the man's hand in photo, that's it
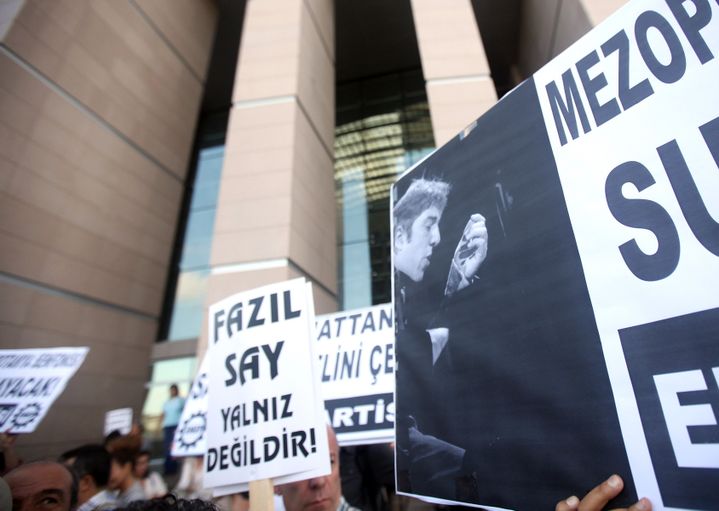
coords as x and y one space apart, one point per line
469 255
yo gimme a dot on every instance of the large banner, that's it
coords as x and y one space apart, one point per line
265 416
30 381
556 277
356 355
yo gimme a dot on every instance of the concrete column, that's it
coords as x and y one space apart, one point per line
459 85
598 10
548 27
276 208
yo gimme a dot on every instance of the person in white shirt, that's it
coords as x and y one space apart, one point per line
152 482
123 451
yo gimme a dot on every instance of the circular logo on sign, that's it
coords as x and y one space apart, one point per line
192 430
26 415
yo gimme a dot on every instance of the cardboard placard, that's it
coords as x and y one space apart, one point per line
191 434
356 360
118 420
585 343
265 417
30 381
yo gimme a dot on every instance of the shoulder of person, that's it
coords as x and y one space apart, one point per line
345 506
105 506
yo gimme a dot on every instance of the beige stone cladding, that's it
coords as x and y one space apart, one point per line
98 106
548 27
456 71
276 215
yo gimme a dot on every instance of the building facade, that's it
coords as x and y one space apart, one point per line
159 155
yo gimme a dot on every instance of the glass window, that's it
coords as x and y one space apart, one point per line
180 371
383 127
189 303
198 239
207 181
190 287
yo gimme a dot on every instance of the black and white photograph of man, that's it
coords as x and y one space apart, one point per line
433 463
503 398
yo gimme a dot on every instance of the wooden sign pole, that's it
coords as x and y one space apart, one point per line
262 495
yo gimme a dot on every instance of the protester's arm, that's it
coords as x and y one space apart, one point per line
469 255
596 499
7 448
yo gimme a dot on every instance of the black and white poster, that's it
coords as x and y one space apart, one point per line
356 369
556 268
30 381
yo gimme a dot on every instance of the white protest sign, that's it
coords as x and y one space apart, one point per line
265 417
356 361
31 381
118 420
190 435
637 152
589 197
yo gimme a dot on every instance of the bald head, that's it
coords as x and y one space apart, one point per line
41 486
319 493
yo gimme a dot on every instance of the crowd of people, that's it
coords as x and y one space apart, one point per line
115 476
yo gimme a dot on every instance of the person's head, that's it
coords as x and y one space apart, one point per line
170 503
123 452
319 493
142 464
91 465
111 437
416 225
174 391
42 486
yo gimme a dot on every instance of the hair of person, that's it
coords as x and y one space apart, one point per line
169 503
421 195
174 387
92 460
112 435
124 449
74 487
